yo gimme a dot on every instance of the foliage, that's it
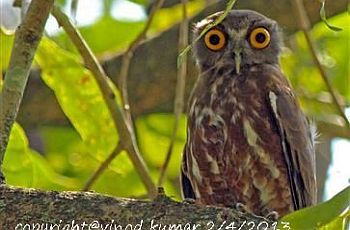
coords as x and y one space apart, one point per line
5 49
155 132
82 104
324 19
25 167
332 214
306 79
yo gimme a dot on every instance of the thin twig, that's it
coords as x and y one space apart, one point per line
124 72
102 167
304 25
333 130
123 83
126 136
180 90
27 38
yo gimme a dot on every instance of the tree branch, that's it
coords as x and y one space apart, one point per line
27 38
29 206
304 26
332 130
126 136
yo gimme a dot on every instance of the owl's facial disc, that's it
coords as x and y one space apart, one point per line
242 39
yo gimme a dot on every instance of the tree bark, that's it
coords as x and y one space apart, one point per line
20 208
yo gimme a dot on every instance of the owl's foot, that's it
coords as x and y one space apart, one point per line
240 207
274 216
189 201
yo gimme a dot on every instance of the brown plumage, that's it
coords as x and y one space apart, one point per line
247 139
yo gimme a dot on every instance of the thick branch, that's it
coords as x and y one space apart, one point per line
29 206
27 38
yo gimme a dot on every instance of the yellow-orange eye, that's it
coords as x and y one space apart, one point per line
259 38
215 39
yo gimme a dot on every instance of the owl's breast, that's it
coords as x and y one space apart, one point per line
235 148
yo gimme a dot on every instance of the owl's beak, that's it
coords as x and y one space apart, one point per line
238 60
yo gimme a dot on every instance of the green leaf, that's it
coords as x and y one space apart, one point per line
324 18
63 149
25 167
82 102
154 132
79 97
6 42
321 215
341 222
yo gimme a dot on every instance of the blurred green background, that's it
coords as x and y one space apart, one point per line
64 131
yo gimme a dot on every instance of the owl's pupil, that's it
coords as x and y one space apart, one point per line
214 39
260 37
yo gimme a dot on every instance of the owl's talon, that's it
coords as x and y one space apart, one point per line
274 216
240 207
189 201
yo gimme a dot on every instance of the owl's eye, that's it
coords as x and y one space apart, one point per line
259 38
215 39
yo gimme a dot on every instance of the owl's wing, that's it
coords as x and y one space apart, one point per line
297 144
186 186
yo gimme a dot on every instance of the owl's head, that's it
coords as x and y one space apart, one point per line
244 38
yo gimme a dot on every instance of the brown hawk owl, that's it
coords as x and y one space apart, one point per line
247 139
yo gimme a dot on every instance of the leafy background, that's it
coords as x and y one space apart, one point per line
63 157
